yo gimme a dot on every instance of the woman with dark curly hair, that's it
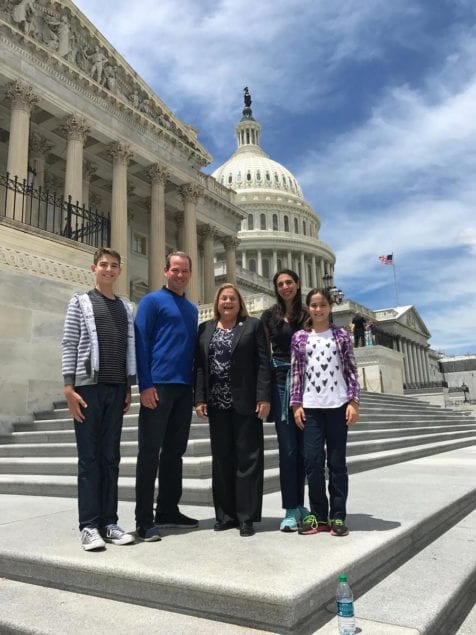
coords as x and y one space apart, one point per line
281 321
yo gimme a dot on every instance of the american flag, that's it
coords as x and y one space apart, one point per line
386 260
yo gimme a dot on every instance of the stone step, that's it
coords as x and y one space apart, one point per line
201 447
82 613
366 418
197 491
63 431
431 592
193 467
200 466
253 582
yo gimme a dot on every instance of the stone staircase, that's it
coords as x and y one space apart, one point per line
410 555
39 458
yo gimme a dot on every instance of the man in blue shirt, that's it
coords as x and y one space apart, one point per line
166 334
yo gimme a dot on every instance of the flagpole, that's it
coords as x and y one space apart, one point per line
395 281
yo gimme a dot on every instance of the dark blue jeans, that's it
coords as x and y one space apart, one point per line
98 440
162 431
291 453
325 431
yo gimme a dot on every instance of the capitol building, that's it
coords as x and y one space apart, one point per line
90 156
281 230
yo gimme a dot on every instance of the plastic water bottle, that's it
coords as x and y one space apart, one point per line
345 607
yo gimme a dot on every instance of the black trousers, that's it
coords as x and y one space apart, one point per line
98 440
163 432
237 465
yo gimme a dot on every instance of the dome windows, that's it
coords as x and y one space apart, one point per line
267 176
286 223
230 179
262 221
296 226
258 175
275 222
248 176
238 177
251 222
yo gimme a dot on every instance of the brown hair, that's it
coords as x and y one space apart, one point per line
227 285
180 254
106 251
325 294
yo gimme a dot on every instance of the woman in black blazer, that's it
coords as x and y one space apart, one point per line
233 389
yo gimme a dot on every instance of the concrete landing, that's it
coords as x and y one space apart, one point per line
272 581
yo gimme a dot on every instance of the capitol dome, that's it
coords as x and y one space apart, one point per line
250 167
281 229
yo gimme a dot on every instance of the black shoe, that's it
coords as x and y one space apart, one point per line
246 528
176 520
222 525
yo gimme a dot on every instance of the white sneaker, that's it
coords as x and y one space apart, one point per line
91 539
113 533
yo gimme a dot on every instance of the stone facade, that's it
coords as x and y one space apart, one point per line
79 129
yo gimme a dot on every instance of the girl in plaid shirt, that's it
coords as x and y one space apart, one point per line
324 397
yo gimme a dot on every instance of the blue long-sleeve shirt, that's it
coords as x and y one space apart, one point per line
166 336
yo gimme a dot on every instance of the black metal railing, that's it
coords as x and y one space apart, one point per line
43 209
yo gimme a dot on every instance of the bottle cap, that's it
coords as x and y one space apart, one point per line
343 577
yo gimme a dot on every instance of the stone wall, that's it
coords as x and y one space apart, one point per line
37 278
380 369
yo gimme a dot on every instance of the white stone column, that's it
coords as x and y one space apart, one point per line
179 231
314 272
158 176
290 260
208 234
406 372
230 245
22 101
121 155
190 193
304 280
323 272
259 264
77 130
244 260
39 149
89 170
413 363
275 262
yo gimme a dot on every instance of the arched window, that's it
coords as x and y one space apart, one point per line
296 226
248 176
276 177
238 177
275 222
252 265
258 175
251 224
262 221
268 177
222 179
286 223
309 276
304 227
265 267
230 178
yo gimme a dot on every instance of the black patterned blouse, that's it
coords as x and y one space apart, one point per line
219 363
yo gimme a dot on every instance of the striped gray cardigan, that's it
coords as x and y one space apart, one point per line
80 359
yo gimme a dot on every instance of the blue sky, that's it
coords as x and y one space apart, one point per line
371 105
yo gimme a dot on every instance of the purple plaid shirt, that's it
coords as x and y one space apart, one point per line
299 360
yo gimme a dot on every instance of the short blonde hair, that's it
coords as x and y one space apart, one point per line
227 285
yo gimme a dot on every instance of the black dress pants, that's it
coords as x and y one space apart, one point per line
237 465
163 437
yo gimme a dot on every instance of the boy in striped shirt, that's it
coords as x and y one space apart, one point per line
98 365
